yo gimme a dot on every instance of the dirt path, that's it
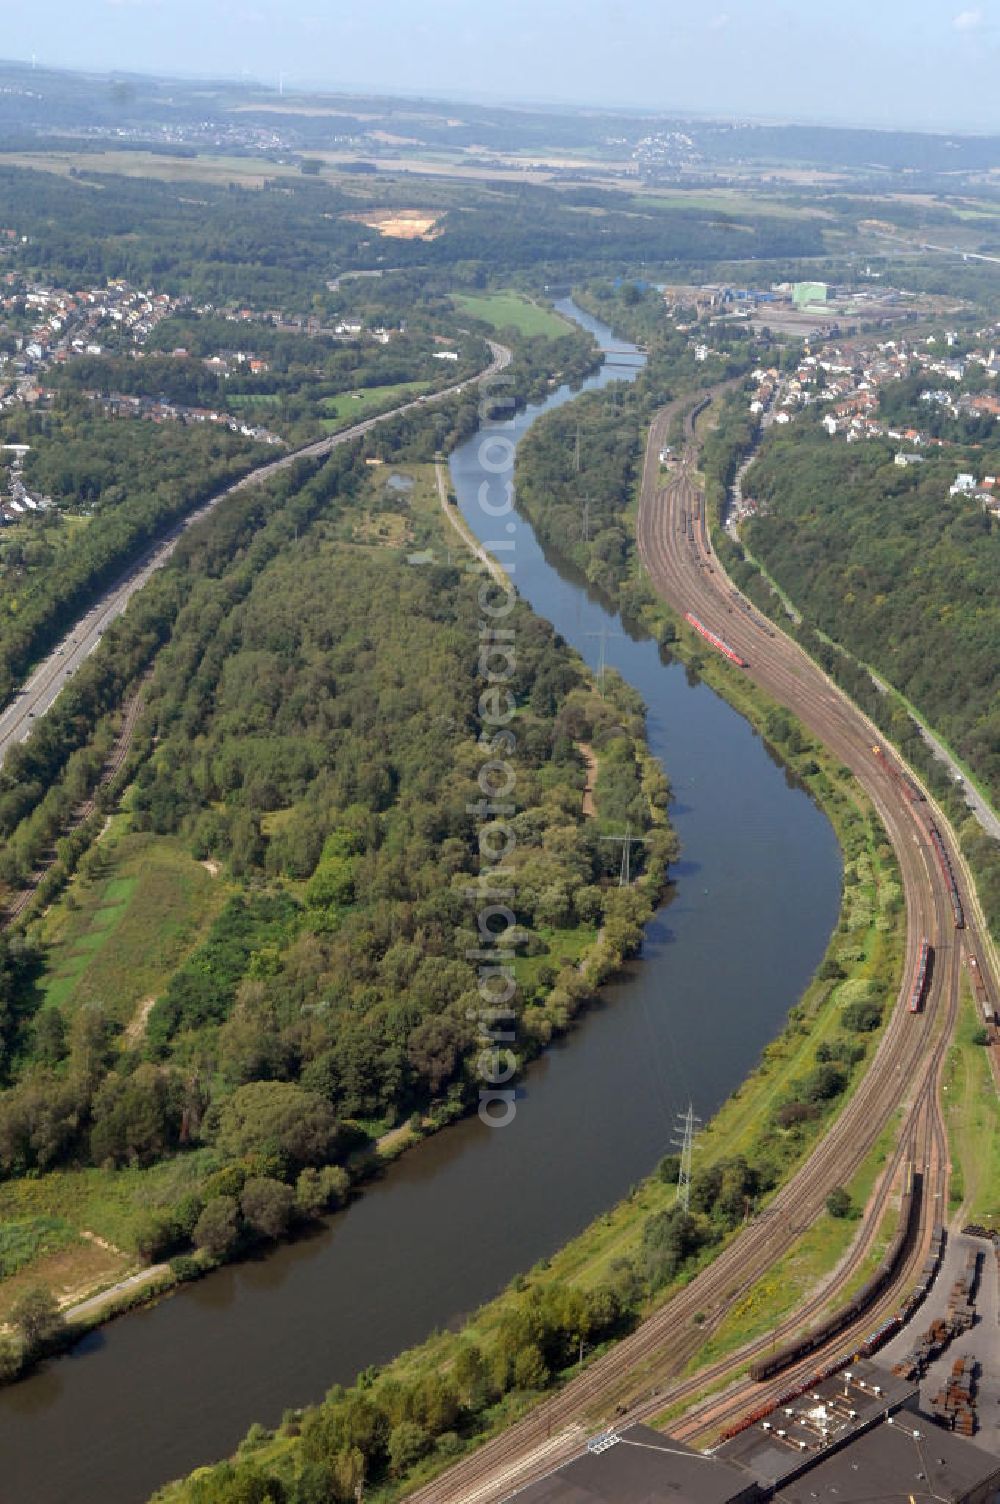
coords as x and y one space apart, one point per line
463 530
137 1024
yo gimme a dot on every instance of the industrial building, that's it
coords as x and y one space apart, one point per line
806 293
856 1439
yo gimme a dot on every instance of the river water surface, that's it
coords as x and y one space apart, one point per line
757 893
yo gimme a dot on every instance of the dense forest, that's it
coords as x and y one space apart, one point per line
884 561
314 732
266 246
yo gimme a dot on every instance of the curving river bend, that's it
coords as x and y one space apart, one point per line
757 895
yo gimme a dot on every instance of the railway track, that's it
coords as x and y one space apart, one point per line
640 1375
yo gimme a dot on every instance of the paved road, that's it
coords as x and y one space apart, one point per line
38 694
643 1370
96 1303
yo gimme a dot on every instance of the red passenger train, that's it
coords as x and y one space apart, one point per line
716 642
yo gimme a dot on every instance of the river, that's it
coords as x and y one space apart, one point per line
757 895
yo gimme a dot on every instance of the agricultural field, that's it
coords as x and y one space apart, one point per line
220 171
511 310
400 224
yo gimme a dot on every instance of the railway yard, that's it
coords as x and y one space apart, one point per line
644 1377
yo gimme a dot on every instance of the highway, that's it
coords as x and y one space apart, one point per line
40 691
640 1375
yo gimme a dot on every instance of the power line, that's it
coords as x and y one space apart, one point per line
686 1126
603 634
586 518
627 841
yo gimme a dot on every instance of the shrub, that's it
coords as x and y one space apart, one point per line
36 1319
408 1442
530 1370
185 1268
863 1018
267 1206
839 1203
218 1226
11 1360
824 1083
279 1120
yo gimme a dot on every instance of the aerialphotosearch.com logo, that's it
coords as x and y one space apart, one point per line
496 920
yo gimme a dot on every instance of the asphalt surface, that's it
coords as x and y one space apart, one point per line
981 1343
37 695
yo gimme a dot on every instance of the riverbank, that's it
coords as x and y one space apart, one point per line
612 1257
560 976
456 1217
605 1263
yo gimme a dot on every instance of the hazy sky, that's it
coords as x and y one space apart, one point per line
884 62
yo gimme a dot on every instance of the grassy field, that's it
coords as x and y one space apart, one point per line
121 929
351 407
511 310
252 402
77 1229
972 1113
397 517
113 938
818 1251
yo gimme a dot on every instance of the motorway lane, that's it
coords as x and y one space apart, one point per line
34 698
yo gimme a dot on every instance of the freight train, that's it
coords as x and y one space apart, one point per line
911 791
754 616
920 977
875 1340
847 1314
944 862
716 642
914 795
979 988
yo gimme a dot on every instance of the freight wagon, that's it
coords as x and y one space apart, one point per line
979 988
919 987
911 791
944 862
818 1336
869 1346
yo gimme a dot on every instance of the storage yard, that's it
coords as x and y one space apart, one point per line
952 1349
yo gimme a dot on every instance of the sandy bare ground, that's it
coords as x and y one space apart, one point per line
399 224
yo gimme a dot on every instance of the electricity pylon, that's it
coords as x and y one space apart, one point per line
603 634
627 841
686 1126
